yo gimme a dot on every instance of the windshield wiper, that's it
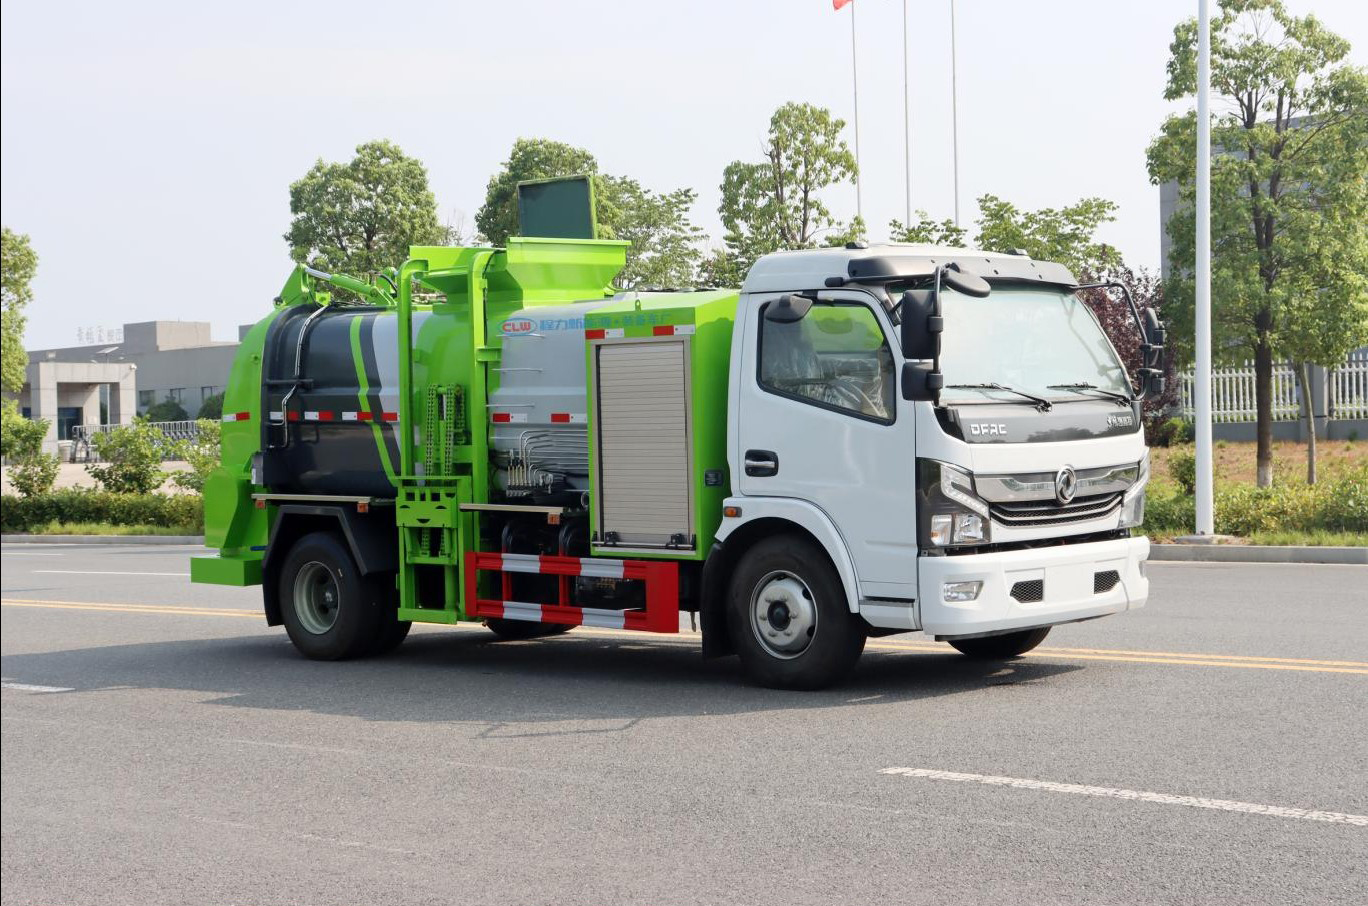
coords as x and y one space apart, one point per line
1041 403
1084 385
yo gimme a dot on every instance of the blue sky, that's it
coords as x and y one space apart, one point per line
147 147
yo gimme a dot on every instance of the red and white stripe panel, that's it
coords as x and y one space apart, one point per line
672 330
604 333
326 415
660 577
236 416
508 418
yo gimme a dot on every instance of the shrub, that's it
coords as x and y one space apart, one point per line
134 455
203 455
76 505
166 411
34 474
1244 510
1165 432
212 407
1182 468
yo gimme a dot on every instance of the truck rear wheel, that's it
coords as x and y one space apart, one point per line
788 616
1001 646
329 609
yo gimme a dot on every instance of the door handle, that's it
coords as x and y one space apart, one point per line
761 463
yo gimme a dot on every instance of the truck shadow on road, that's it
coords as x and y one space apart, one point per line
462 676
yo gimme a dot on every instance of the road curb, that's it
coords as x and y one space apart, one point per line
102 539
1257 553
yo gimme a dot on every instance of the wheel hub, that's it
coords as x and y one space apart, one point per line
783 614
316 598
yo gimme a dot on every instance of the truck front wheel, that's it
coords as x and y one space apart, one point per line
995 647
788 616
329 609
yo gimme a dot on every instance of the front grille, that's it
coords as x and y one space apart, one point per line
1036 513
1030 591
1105 581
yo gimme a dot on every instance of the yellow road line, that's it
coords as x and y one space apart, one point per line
1188 659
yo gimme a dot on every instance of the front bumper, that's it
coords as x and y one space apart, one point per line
1068 574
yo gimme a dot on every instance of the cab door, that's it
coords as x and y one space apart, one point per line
819 419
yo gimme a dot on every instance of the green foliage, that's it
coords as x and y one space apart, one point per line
1064 235
76 505
1245 510
31 471
18 264
203 455
133 455
212 407
665 248
1182 468
1165 432
168 410
360 217
925 231
776 203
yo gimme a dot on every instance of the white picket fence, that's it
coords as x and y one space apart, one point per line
1232 392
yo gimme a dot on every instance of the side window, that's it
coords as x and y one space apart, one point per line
836 357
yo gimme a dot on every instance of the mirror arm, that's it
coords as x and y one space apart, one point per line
936 313
1139 327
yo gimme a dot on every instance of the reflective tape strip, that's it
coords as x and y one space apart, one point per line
277 416
517 610
672 330
389 416
349 417
569 418
601 569
602 333
310 416
365 416
237 416
521 563
294 415
603 619
508 418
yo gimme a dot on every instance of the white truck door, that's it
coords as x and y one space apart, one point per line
819 419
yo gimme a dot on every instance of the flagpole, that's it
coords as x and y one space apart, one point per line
907 122
855 81
954 108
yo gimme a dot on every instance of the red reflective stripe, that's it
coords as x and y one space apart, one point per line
389 416
241 416
364 416
596 333
502 418
293 416
569 566
325 416
560 417
663 331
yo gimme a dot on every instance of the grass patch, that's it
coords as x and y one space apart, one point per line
1311 539
1234 462
105 528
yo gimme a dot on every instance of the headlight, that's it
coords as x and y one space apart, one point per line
949 511
1133 504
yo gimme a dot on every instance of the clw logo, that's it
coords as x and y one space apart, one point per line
514 326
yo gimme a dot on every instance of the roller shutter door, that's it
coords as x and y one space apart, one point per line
643 443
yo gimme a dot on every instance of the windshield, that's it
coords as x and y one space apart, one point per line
1027 339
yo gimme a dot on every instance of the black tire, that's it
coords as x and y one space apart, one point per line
516 630
785 588
996 647
330 610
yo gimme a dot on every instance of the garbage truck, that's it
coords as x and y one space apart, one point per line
861 441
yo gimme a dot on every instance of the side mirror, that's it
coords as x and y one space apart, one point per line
1152 383
965 282
788 309
921 327
921 382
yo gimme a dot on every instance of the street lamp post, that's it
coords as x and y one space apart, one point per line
1205 498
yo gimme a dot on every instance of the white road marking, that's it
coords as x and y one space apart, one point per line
29 687
1225 805
96 572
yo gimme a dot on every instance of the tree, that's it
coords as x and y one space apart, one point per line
1289 201
665 243
31 472
18 264
361 217
1062 234
212 407
776 203
203 455
664 247
926 231
1119 324
168 410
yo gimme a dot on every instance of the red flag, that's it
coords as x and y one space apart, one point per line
837 4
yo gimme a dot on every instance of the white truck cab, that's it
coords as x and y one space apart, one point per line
949 432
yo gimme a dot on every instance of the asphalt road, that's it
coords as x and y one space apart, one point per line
1207 749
